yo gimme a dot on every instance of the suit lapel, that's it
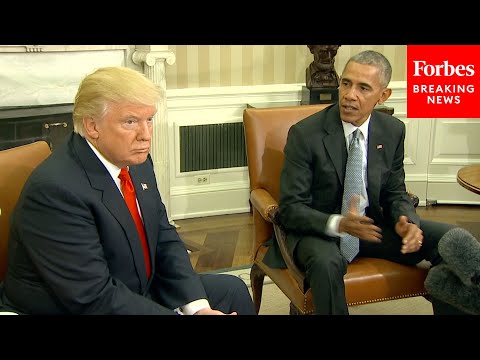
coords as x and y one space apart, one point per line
335 143
376 147
113 200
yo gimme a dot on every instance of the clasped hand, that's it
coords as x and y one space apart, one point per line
363 227
412 235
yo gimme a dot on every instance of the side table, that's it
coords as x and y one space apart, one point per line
469 177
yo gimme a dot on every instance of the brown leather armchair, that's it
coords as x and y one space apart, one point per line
367 280
16 164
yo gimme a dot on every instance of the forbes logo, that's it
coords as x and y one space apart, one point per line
421 68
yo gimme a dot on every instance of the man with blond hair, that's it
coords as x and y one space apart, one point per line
90 234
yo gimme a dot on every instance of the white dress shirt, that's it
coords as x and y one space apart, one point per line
348 129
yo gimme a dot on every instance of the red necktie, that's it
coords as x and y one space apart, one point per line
131 200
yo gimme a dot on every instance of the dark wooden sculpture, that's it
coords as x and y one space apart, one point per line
321 72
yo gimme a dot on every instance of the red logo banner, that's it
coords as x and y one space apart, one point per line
442 81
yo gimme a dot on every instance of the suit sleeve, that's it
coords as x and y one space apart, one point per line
64 244
174 281
295 210
394 198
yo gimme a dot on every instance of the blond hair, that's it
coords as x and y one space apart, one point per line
112 85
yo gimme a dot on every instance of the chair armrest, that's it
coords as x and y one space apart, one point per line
281 237
267 206
264 203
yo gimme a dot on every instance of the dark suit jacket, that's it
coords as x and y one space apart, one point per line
74 248
311 183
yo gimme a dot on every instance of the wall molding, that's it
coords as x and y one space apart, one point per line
228 189
58 48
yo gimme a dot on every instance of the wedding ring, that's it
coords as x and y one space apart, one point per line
419 242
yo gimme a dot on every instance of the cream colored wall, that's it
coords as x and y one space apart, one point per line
249 65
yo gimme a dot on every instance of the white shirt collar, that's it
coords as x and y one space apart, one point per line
348 128
112 169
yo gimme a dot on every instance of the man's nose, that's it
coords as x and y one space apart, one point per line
145 130
351 93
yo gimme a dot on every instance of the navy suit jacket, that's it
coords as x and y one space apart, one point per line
311 183
74 247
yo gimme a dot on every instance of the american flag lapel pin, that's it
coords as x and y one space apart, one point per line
379 146
144 186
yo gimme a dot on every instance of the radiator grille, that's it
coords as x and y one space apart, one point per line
212 146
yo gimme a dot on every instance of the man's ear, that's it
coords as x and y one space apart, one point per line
384 96
90 126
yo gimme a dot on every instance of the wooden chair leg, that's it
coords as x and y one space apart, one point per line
294 310
256 280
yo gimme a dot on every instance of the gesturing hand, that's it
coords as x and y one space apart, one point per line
358 225
411 234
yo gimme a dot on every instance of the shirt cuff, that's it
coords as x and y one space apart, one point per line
332 225
193 307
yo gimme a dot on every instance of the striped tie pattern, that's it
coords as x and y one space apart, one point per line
349 245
